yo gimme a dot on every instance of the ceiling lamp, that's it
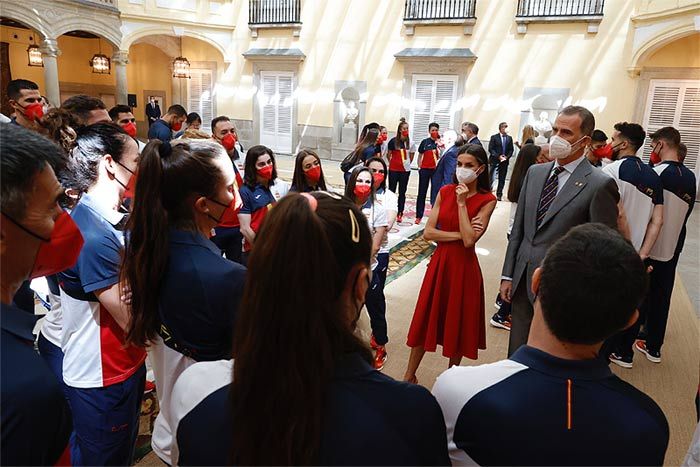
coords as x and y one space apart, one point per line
100 63
34 55
181 66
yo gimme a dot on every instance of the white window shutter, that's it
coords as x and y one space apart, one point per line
276 108
200 95
675 103
689 125
433 97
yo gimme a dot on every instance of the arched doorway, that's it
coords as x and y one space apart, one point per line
150 73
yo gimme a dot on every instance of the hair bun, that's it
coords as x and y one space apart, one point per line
165 149
402 120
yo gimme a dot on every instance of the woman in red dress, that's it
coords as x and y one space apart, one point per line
450 308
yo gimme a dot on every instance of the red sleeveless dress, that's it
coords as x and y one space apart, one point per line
450 307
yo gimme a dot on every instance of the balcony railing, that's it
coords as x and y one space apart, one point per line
530 8
274 11
542 11
422 10
437 12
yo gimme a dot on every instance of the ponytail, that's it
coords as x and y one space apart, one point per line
168 176
289 335
146 252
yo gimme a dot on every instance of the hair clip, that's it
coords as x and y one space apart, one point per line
165 149
313 202
355 234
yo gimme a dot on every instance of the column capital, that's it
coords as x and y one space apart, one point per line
120 57
49 48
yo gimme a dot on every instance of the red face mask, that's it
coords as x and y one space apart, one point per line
654 157
131 186
604 151
229 142
231 205
265 172
404 133
33 111
378 179
362 191
383 137
60 251
130 129
435 134
313 175
176 126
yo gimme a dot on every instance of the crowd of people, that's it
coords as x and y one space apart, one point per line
244 292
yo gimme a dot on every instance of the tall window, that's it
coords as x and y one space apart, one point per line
675 103
276 105
199 95
432 97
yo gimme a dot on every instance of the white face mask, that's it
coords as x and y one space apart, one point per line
559 148
465 175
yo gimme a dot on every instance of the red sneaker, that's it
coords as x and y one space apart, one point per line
418 219
373 343
399 217
380 358
150 386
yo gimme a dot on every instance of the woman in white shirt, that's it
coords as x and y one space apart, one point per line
361 190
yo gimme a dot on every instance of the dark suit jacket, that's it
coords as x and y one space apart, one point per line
475 140
496 148
588 196
152 114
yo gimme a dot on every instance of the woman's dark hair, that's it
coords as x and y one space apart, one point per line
386 170
366 128
288 336
250 173
299 181
370 139
350 187
402 121
193 117
483 183
168 178
526 158
91 145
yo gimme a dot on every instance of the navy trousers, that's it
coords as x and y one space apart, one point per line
400 179
230 242
424 178
106 421
375 300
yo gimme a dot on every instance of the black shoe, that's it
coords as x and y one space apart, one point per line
500 198
498 322
624 362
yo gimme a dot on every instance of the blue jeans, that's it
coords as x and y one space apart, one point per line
424 178
106 421
400 179
375 300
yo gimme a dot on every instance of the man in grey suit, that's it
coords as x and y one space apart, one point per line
555 197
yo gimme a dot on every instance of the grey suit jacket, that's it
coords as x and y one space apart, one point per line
587 196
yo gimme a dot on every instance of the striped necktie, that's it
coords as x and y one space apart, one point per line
548 194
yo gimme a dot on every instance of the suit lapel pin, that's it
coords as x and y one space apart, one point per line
578 184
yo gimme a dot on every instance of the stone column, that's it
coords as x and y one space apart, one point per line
49 52
120 59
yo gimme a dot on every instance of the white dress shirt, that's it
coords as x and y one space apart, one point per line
566 173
